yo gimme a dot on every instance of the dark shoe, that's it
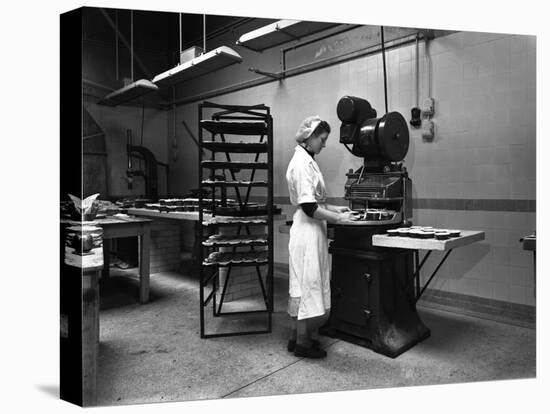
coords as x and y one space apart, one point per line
315 344
291 345
302 351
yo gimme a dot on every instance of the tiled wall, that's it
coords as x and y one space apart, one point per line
484 146
484 86
496 268
165 247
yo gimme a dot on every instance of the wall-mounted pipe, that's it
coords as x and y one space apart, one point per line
287 49
299 70
429 66
417 72
383 53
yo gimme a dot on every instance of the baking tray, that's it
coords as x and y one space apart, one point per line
237 147
246 212
235 240
234 221
238 258
235 127
396 219
236 165
235 183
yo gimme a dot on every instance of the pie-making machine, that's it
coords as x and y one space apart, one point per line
373 300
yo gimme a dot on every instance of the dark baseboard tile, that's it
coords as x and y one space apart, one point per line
475 204
497 310
515 205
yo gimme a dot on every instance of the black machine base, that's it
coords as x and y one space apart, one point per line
373 301
391 348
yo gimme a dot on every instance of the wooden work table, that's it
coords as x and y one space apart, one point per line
122 225
180 215
88 318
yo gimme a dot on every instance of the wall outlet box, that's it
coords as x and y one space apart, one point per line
429 107
428 131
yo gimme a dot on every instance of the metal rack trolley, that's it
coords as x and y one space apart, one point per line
246 122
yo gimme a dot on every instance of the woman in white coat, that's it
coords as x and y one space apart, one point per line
309 268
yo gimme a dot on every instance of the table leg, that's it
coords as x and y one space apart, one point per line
535 271
90 335
145 241
106 258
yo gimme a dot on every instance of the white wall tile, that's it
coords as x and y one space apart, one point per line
497 237
501 255
523 189
520 257
501 291
522 294
501 154
522 276
485 289
500 273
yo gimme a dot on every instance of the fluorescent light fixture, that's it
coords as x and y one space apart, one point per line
280 32
129 92
209 62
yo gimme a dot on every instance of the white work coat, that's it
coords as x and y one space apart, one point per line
309 265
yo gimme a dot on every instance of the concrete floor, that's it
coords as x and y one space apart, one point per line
153 352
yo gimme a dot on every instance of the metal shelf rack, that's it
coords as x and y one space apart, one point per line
253 125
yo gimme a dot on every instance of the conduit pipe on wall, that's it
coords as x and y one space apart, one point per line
299 70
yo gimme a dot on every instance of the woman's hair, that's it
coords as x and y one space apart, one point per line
322 127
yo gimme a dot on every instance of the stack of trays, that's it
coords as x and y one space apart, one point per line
418 232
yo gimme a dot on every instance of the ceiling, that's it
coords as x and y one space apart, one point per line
155 31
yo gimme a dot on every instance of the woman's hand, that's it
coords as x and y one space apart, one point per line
346 216
338 209
329 214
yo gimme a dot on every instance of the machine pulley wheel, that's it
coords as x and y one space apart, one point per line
393 136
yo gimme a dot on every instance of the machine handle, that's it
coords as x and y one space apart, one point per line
367 276
368 313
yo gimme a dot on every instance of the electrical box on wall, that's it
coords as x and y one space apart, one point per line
415 121
429 107
428 130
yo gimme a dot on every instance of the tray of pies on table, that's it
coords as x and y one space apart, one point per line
235 240
228 258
